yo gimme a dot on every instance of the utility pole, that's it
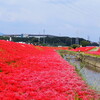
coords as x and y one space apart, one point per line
71 40
10 38
77 39
39 39
88 38
44 36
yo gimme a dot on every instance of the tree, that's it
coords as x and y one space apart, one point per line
74 46
85 43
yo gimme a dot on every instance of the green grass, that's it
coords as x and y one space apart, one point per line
98 56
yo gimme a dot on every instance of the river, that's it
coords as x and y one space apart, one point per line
91 76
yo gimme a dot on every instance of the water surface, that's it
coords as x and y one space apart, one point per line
91 76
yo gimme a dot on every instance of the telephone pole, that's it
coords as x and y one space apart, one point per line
44 36
88 38
10 38
77 39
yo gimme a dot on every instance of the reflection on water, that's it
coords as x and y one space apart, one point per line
91 76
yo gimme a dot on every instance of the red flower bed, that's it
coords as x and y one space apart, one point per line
98 50
82 49
94 52
30 72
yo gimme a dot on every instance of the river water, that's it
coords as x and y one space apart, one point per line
91 76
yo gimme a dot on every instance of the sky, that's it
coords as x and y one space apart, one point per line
73 18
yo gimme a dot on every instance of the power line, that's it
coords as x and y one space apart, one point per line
80 10
44 37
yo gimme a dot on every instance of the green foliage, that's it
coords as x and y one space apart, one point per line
75 46
85 43
44 44
49 40
4 38
69 48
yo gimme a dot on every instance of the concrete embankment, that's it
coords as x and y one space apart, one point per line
91 60
94 61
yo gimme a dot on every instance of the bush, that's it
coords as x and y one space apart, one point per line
75 46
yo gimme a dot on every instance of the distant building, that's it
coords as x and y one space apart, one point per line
28 35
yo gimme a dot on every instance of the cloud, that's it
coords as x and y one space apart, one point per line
40 11
66 16
18 11
32 10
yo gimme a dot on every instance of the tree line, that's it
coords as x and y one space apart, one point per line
52 41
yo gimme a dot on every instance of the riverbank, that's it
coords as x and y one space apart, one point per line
94 61
87 71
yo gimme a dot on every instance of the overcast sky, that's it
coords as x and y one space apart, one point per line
74 18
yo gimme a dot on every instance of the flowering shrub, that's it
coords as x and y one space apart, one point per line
30 72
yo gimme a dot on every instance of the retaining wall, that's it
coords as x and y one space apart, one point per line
91 60
94 61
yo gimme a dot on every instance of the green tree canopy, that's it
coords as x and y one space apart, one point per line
84 43
75 46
